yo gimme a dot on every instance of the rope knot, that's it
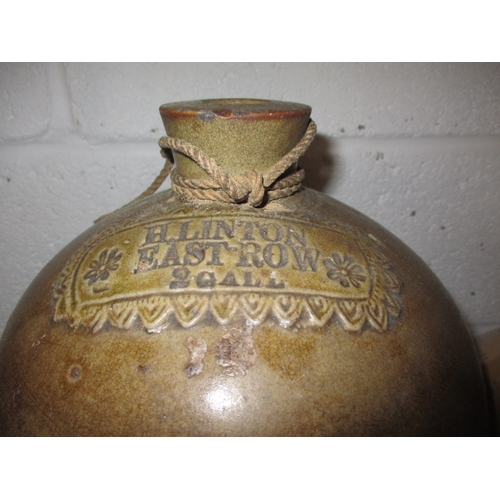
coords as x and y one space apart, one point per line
249 187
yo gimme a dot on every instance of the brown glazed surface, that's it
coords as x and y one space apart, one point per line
300 318
489 347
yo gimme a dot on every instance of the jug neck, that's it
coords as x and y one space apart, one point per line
241 135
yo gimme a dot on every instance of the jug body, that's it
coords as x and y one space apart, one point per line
184 316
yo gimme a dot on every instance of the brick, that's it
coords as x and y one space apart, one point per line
24 100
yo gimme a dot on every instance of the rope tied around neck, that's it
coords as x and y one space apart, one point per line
252 188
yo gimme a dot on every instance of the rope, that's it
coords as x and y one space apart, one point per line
253 187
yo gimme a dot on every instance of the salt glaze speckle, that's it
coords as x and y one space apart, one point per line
191 317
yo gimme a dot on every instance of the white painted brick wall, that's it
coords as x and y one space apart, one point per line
414 146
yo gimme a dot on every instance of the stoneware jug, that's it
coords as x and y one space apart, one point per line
239 303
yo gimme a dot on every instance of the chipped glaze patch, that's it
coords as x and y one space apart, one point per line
235 352
197 349
185 268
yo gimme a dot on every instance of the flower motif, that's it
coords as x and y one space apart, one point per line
101 267
345 270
